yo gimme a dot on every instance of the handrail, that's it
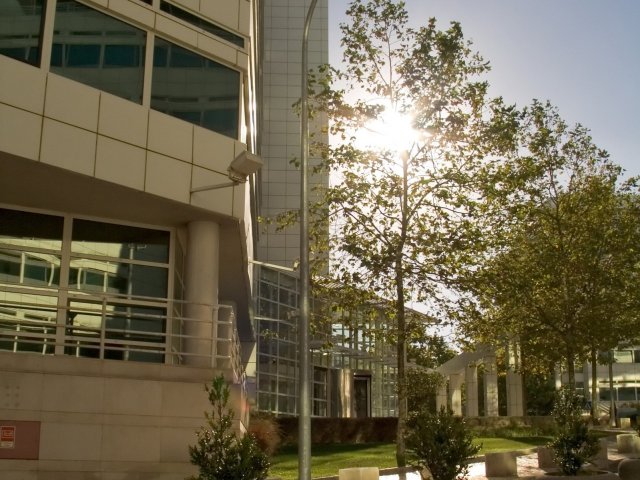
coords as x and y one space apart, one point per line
19 332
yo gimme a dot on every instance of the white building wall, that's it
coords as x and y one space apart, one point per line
280 136
76 150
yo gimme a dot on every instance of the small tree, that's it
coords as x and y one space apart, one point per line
573 444
219 453
440 442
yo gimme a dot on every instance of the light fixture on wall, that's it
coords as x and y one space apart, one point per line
240 168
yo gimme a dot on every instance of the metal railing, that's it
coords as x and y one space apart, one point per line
120 327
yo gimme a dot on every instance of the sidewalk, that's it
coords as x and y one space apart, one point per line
527 466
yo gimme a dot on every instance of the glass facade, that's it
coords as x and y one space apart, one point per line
96 49
277 303
21 30
195 89
105 284
201 23
345 349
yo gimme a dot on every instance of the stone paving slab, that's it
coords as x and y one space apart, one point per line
527 467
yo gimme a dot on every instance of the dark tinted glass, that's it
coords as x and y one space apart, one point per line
21 29
120 241
31 228
195 89
98 50
202 23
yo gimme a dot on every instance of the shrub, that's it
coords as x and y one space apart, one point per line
440 442
266 430
219 453
573 445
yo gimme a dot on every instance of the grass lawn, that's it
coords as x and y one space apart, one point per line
328 459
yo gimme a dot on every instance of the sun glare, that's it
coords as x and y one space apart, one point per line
392 130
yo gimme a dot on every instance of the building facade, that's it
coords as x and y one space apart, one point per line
127 157
354 366
279 139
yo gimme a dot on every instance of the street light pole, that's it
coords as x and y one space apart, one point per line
304 393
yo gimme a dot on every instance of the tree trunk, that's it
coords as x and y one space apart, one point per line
523 375
571 371
613 418
401 349
594 386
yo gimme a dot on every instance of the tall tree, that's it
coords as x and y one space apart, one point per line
563 279
401 214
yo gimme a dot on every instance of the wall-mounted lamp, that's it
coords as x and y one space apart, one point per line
240 168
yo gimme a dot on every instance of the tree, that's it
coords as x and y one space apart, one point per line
573 444
219 453
563 276
442 443
402 217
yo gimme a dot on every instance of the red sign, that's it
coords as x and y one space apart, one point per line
7 436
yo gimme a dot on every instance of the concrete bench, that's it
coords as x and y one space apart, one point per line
628 443
629 469
545 458
361 473
501 464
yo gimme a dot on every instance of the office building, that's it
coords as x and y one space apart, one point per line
127 158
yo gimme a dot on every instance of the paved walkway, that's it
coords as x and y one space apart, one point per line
527 467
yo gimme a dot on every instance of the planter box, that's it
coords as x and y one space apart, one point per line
628 443
501 464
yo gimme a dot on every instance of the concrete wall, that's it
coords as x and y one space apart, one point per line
102 419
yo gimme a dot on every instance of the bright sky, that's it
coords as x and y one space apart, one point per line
582 55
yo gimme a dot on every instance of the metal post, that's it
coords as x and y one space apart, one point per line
304 393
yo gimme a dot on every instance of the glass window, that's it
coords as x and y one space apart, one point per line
27 322
636 356
25 229
195 89
120 241
21 30
605 394
627 394
202 23
623 356
98 50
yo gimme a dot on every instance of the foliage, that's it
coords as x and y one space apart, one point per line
540 393
219 453
266 431
422 387
563 276
440 442
573 444
402 217
429 351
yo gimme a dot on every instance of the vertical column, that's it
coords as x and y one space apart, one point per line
201 292
455 393
490 386
515 407
471 389
441 396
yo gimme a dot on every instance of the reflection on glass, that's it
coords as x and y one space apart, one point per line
29 268
120 241
31 230
98 50
27 323
202 23
195 89
21 30
132 332
118 278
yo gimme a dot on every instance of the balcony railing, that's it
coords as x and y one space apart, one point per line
119 327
